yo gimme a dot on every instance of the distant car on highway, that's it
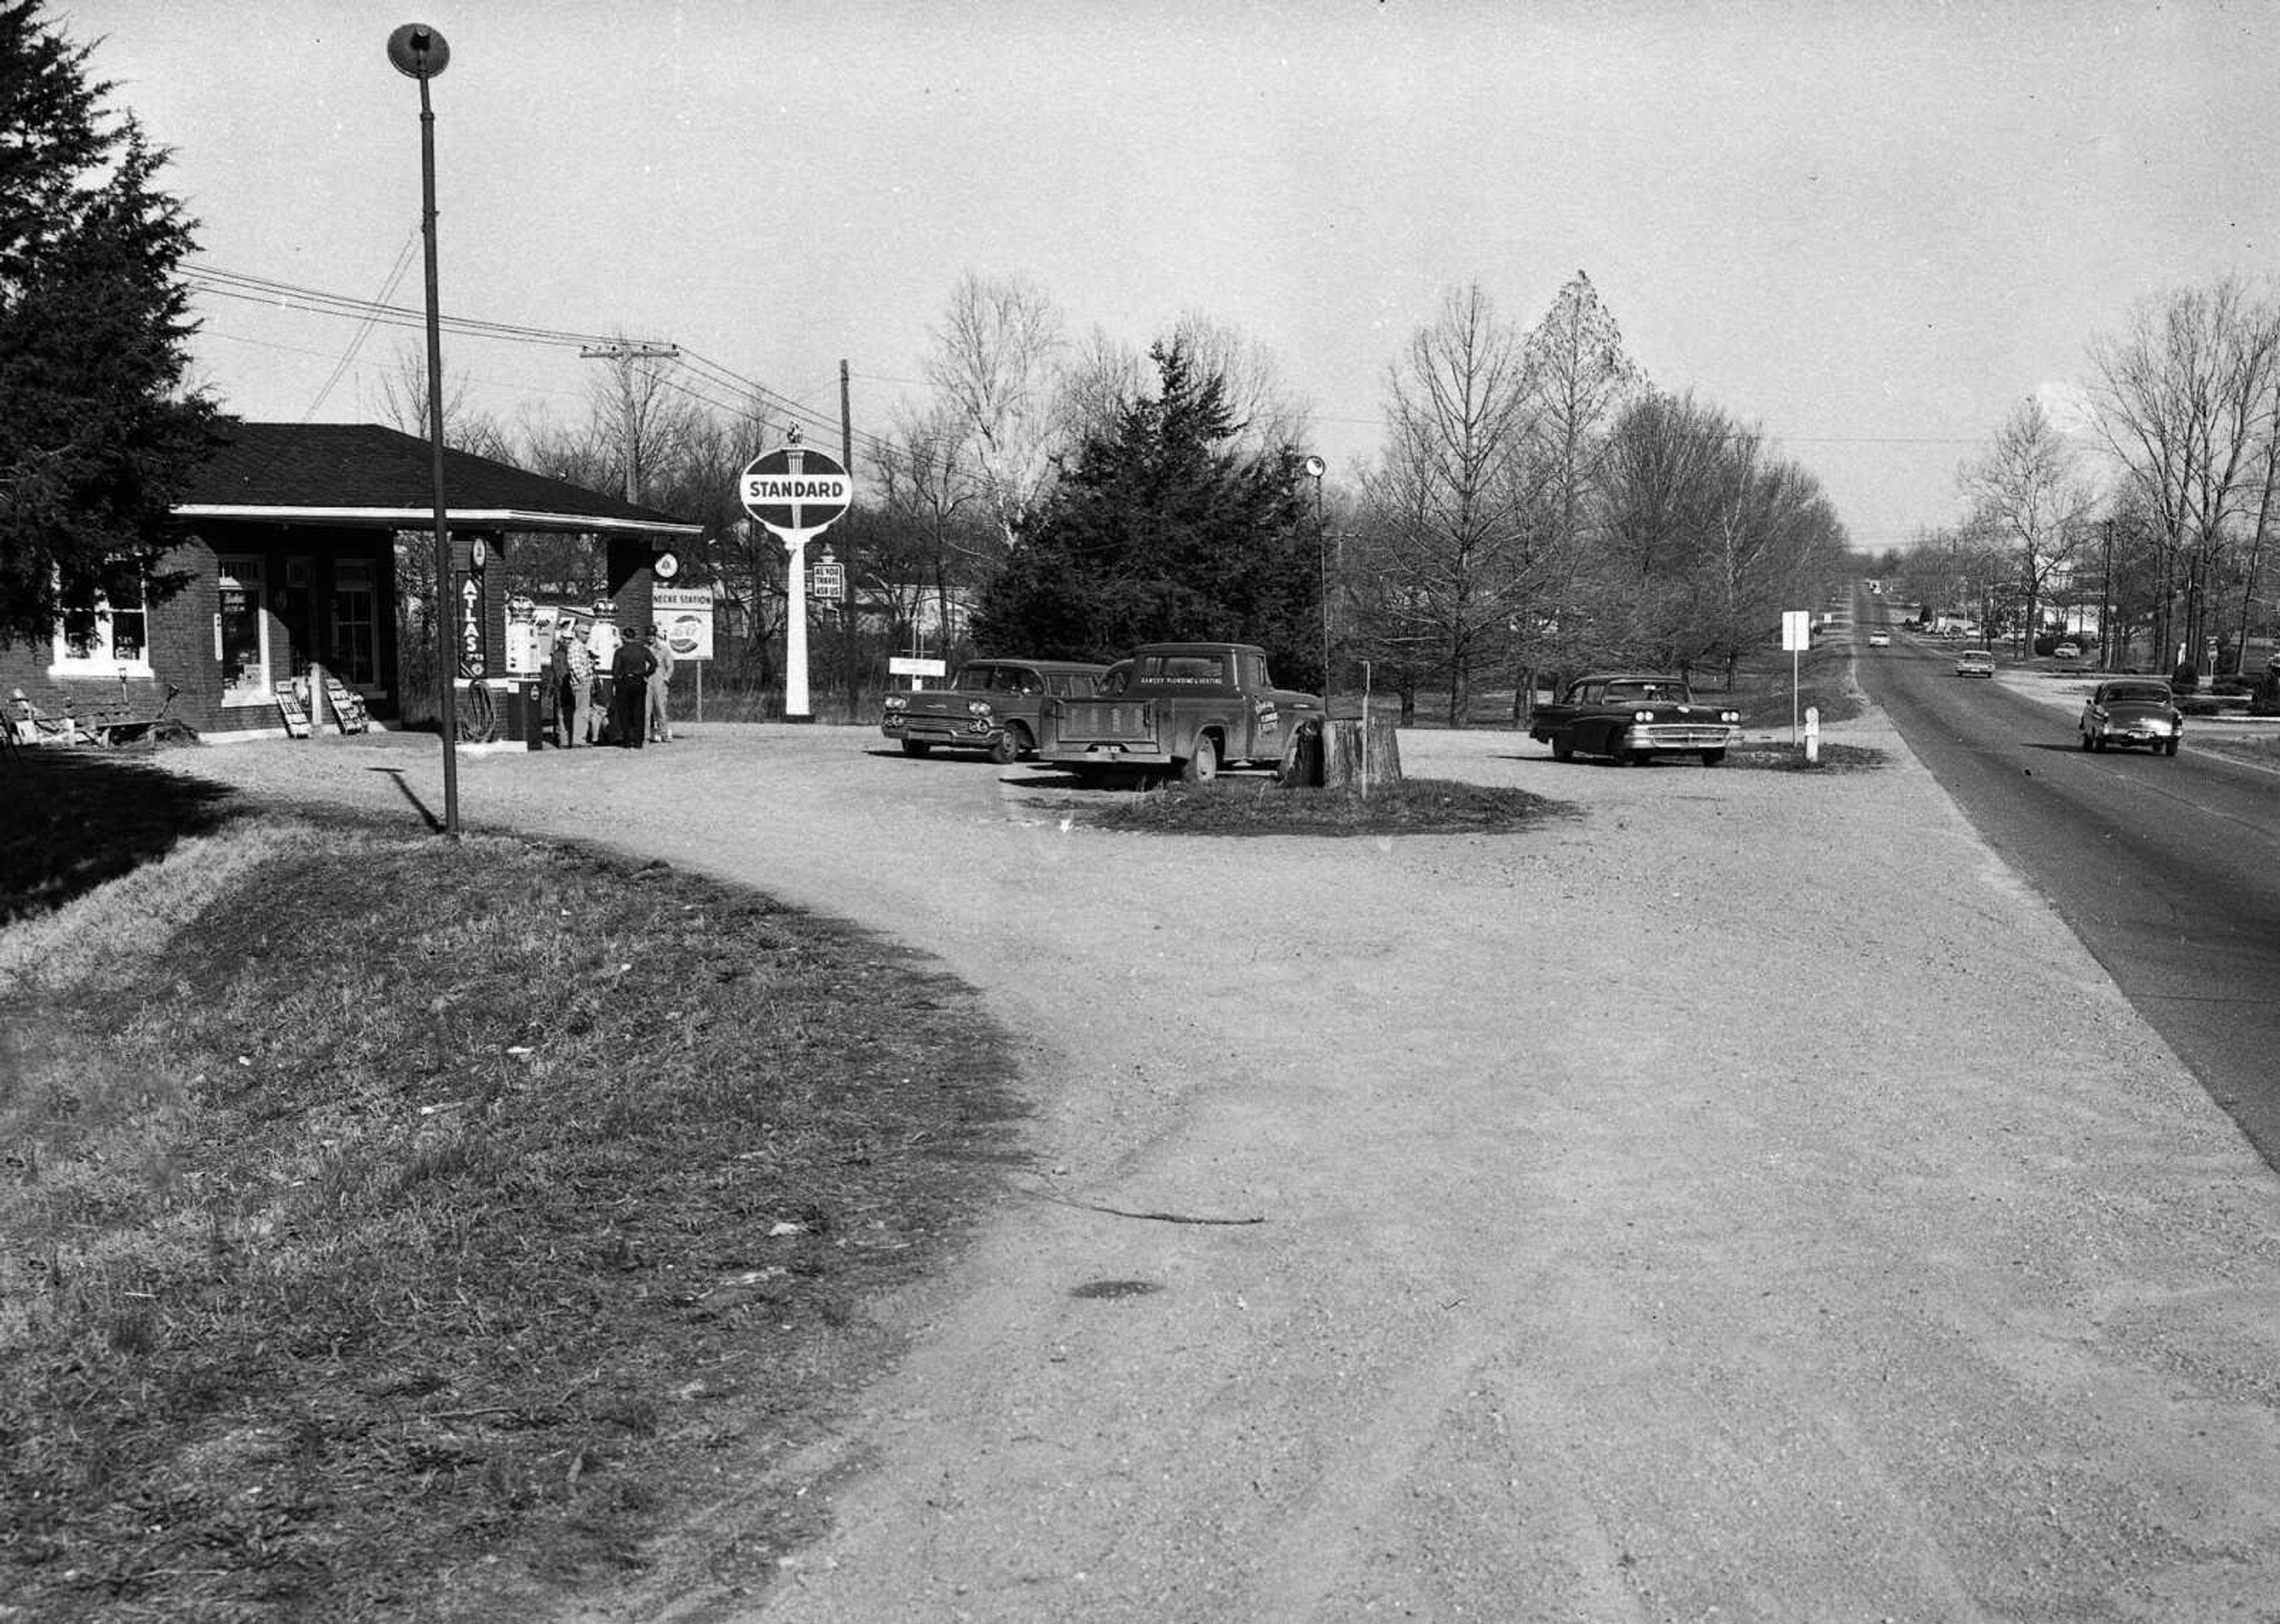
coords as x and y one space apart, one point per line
2067 651
1975 663
1880 640
2133 711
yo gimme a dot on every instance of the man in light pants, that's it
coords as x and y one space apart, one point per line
661 713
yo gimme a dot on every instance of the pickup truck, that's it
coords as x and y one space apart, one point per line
1185 707
991 707
1635 716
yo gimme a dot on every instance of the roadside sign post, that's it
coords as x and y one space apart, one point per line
1797 634
796 494
916 668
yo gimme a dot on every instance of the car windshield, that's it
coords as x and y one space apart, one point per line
2137 693
1647 693
1202 670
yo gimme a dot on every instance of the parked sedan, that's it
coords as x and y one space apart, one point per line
1975 663
992 707
1880 640
1633 717
2133 711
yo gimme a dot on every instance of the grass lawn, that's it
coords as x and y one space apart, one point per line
394 1229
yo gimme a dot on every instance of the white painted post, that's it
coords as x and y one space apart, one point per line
795 628
1813 734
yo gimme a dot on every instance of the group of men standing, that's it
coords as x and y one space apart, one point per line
617 696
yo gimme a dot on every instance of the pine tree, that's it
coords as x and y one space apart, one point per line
1161 532
96 431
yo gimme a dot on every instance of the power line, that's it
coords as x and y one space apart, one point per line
222 283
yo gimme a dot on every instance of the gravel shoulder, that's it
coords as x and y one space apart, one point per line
1742 1198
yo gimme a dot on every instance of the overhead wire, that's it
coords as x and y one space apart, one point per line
713 375
364 329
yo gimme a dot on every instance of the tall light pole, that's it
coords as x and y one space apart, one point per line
1315 467
420 53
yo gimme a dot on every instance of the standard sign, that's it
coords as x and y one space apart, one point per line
795 491
1796 630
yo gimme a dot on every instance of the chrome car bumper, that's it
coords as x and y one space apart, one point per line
973 734
1676 737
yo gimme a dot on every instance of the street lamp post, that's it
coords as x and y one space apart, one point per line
420 52
1315 467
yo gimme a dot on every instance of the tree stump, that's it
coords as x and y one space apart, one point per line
1360 755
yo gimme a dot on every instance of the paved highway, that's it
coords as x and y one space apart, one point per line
2168 870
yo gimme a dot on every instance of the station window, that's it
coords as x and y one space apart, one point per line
105 625
242 634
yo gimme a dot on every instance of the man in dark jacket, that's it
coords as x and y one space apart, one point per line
629 669
559 709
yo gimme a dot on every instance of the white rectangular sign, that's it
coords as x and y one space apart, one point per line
767 490
907 665
685 615
1796 630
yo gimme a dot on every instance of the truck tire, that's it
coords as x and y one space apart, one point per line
1202 765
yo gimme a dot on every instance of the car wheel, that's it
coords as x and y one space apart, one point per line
1202 766
2085 741
2170 749
1563 748
1012 743
1712 758
915 747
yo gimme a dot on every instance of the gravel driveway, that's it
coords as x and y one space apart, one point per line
1742 1199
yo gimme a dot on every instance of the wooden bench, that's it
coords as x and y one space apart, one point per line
70 718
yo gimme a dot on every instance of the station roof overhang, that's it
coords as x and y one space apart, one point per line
366 477
525 519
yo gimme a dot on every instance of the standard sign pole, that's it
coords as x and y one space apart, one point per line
796 494
1796 635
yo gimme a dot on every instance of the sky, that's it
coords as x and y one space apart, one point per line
1871 228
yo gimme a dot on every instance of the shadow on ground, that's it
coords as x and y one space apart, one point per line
71 820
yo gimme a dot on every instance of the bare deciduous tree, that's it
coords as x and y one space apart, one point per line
1447 507
925 489
638 405
2185 400
996 367
404 403
1580 377
2025 490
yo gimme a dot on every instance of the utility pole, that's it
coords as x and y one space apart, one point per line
846 420
621 352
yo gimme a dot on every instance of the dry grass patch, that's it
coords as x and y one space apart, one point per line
427 1223
1254 805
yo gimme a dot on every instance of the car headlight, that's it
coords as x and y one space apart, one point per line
1730 718
1642 716
896 702
977 707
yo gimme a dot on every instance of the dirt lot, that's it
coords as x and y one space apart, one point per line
1740 1199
